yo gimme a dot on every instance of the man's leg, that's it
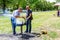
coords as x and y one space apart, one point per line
27 26
14 27
30 26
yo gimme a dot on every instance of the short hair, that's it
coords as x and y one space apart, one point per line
28 6
20 8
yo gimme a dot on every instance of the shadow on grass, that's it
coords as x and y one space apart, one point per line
24 36
27 36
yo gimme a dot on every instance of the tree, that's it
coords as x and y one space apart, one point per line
38 5
4 4
57 0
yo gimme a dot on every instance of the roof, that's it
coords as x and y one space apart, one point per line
57 4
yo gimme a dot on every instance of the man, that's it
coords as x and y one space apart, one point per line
29 19
16 14
58 13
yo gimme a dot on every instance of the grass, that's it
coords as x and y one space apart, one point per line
53 34
38 19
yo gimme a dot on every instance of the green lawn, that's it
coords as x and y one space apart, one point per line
38 19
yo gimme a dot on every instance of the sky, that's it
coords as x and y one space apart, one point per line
52 0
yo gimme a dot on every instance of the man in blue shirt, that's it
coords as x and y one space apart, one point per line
15 15
29 19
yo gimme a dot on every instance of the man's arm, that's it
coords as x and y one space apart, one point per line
24 11
29 16
15 14
19 17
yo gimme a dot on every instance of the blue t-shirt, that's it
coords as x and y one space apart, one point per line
28 13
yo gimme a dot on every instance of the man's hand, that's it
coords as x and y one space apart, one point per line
23 17
29 16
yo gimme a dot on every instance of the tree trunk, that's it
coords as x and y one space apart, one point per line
4 6
18 4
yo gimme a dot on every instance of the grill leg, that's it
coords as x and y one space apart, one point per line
21 29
